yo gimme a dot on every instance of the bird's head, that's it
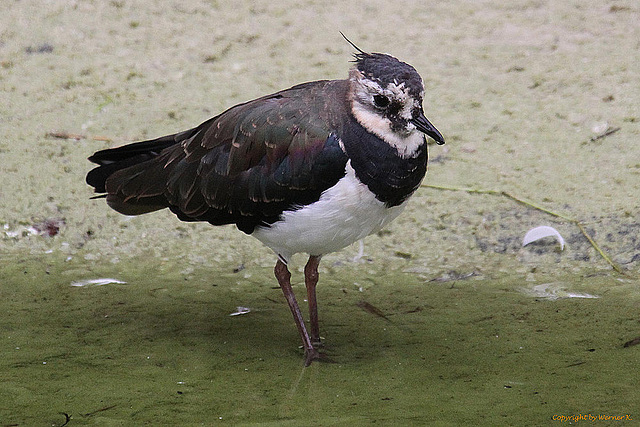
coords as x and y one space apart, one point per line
386 98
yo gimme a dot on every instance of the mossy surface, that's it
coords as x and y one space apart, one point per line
163 348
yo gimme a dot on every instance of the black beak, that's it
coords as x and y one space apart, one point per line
423 125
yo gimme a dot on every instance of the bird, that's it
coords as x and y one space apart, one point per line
310 169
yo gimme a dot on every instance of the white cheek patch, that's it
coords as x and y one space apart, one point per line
407 146
364 89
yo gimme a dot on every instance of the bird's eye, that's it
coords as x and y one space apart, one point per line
381 101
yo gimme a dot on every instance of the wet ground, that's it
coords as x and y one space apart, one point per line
446 319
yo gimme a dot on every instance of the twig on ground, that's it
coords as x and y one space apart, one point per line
604 134
580 226
76 136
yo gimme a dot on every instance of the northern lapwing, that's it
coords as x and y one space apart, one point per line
310 169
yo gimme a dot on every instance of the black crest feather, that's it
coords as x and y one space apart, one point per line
360 51
386 69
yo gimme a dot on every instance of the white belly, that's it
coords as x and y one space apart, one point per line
345 213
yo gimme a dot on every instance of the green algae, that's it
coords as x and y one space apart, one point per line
162 348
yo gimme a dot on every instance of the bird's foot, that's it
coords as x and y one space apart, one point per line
311 354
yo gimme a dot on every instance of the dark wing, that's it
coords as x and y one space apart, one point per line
245 166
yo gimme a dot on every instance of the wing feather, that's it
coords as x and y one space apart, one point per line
245 166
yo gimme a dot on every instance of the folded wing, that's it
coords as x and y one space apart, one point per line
245 166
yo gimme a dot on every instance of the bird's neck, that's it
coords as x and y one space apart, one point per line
389 175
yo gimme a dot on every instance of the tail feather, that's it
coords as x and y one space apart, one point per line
97 178
133 158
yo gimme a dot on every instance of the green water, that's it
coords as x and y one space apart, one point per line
163 349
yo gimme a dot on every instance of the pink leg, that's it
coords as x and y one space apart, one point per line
284 279
311 280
